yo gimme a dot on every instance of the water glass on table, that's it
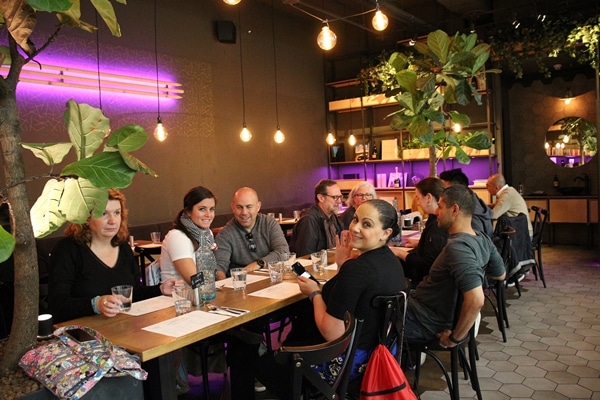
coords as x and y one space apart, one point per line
319 260
126 294
183 306
276 271
155 237
238 278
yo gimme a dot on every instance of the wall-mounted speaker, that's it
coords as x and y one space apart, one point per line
226 31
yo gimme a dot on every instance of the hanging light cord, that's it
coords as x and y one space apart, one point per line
275 64
156 59
334 19
98 62
242 69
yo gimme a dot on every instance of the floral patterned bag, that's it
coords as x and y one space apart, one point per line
72 365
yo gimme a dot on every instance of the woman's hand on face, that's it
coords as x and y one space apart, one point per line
169 285
307 285
109 305
343 248
412 242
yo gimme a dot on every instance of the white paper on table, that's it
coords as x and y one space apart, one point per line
332 267
228 283
282 290
186 323
150 305
304 262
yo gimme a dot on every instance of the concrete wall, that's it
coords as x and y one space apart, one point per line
203 147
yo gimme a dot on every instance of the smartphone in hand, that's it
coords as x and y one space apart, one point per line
301 271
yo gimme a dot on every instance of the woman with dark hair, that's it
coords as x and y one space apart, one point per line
418 256
376 271
190 228
92 258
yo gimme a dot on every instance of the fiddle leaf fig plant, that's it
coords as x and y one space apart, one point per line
79 190
438 74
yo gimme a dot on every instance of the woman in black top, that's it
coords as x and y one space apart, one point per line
92 258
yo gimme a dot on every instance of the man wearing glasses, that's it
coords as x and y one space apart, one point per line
360 193
319 225
250 239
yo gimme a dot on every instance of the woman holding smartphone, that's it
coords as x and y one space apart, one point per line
375 272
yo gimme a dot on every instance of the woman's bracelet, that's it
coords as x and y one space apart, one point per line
95 304
313 294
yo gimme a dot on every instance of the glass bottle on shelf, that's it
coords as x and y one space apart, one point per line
207 264
374 151
397 179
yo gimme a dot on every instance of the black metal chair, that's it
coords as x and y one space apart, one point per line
302 358
539 223
496 287
458 356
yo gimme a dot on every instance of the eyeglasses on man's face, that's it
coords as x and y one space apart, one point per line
335 198
364 195
251 244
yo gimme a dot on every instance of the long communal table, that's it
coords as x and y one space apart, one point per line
156 350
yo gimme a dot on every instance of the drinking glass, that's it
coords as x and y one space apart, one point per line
316 261
238 278
126 293
276 271
155 237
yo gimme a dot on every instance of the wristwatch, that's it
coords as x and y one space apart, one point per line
261 263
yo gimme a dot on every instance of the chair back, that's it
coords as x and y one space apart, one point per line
303 358
540 220
392 325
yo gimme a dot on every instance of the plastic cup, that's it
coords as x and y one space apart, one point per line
155 237
126 293
183 306
276 271
238 277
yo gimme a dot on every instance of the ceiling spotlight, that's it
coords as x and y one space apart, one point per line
568 96
516 23
412 41
472 27
380 20
541 17
232 2
326 39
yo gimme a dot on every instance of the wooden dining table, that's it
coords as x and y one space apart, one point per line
156 350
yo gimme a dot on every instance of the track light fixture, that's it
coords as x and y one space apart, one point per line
568 96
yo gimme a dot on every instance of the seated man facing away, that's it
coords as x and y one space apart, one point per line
508 200
460 267
318 225
482 215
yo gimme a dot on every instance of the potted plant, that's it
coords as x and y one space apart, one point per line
425 82
91 173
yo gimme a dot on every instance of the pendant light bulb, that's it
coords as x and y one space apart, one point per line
160 133
326 39
245 135
380 20
352 139
279 136
330 139
232 2
457 128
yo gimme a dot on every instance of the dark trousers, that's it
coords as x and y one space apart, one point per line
242 359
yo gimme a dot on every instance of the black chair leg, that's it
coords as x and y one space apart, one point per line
540 267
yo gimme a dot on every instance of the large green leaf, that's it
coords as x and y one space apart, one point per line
462 92
407 80
50 153
20 20
461 156
128 138
136 165
460 118
87 127
439 44
419 126
45 214
398 61
105 170
7 244
50 5
479 140
107 12
80 198
72 16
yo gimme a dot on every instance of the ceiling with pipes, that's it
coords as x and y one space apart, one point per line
412 18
